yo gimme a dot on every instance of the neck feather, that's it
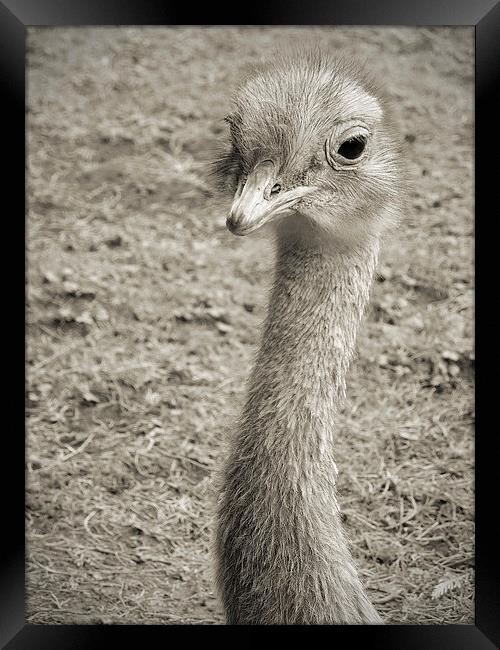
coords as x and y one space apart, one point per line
279 520
316 305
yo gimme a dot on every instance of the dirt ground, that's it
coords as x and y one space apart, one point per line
144 312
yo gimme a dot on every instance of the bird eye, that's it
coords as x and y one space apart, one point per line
347 148
352 148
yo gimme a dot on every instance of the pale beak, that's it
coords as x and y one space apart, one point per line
260 199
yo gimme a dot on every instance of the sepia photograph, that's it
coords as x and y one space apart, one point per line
250 355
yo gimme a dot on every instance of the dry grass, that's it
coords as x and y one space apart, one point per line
143 314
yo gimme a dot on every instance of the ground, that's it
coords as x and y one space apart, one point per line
143 315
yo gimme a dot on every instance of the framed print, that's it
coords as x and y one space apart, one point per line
249 345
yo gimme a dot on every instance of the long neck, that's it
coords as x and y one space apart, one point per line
308 341
283 555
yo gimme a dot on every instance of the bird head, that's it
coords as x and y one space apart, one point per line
312 150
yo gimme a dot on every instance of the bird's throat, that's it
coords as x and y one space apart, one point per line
308 340
279 508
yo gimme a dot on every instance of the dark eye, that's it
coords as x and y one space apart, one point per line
352 148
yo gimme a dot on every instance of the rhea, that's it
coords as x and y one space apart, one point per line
313 153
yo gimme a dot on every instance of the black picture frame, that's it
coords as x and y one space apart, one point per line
15 17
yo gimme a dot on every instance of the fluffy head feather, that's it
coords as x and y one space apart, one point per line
302 111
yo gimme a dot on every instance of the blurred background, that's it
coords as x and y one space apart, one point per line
144 312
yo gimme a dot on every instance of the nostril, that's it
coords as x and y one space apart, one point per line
276 188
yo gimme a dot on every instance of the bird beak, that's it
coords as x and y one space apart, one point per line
260 199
